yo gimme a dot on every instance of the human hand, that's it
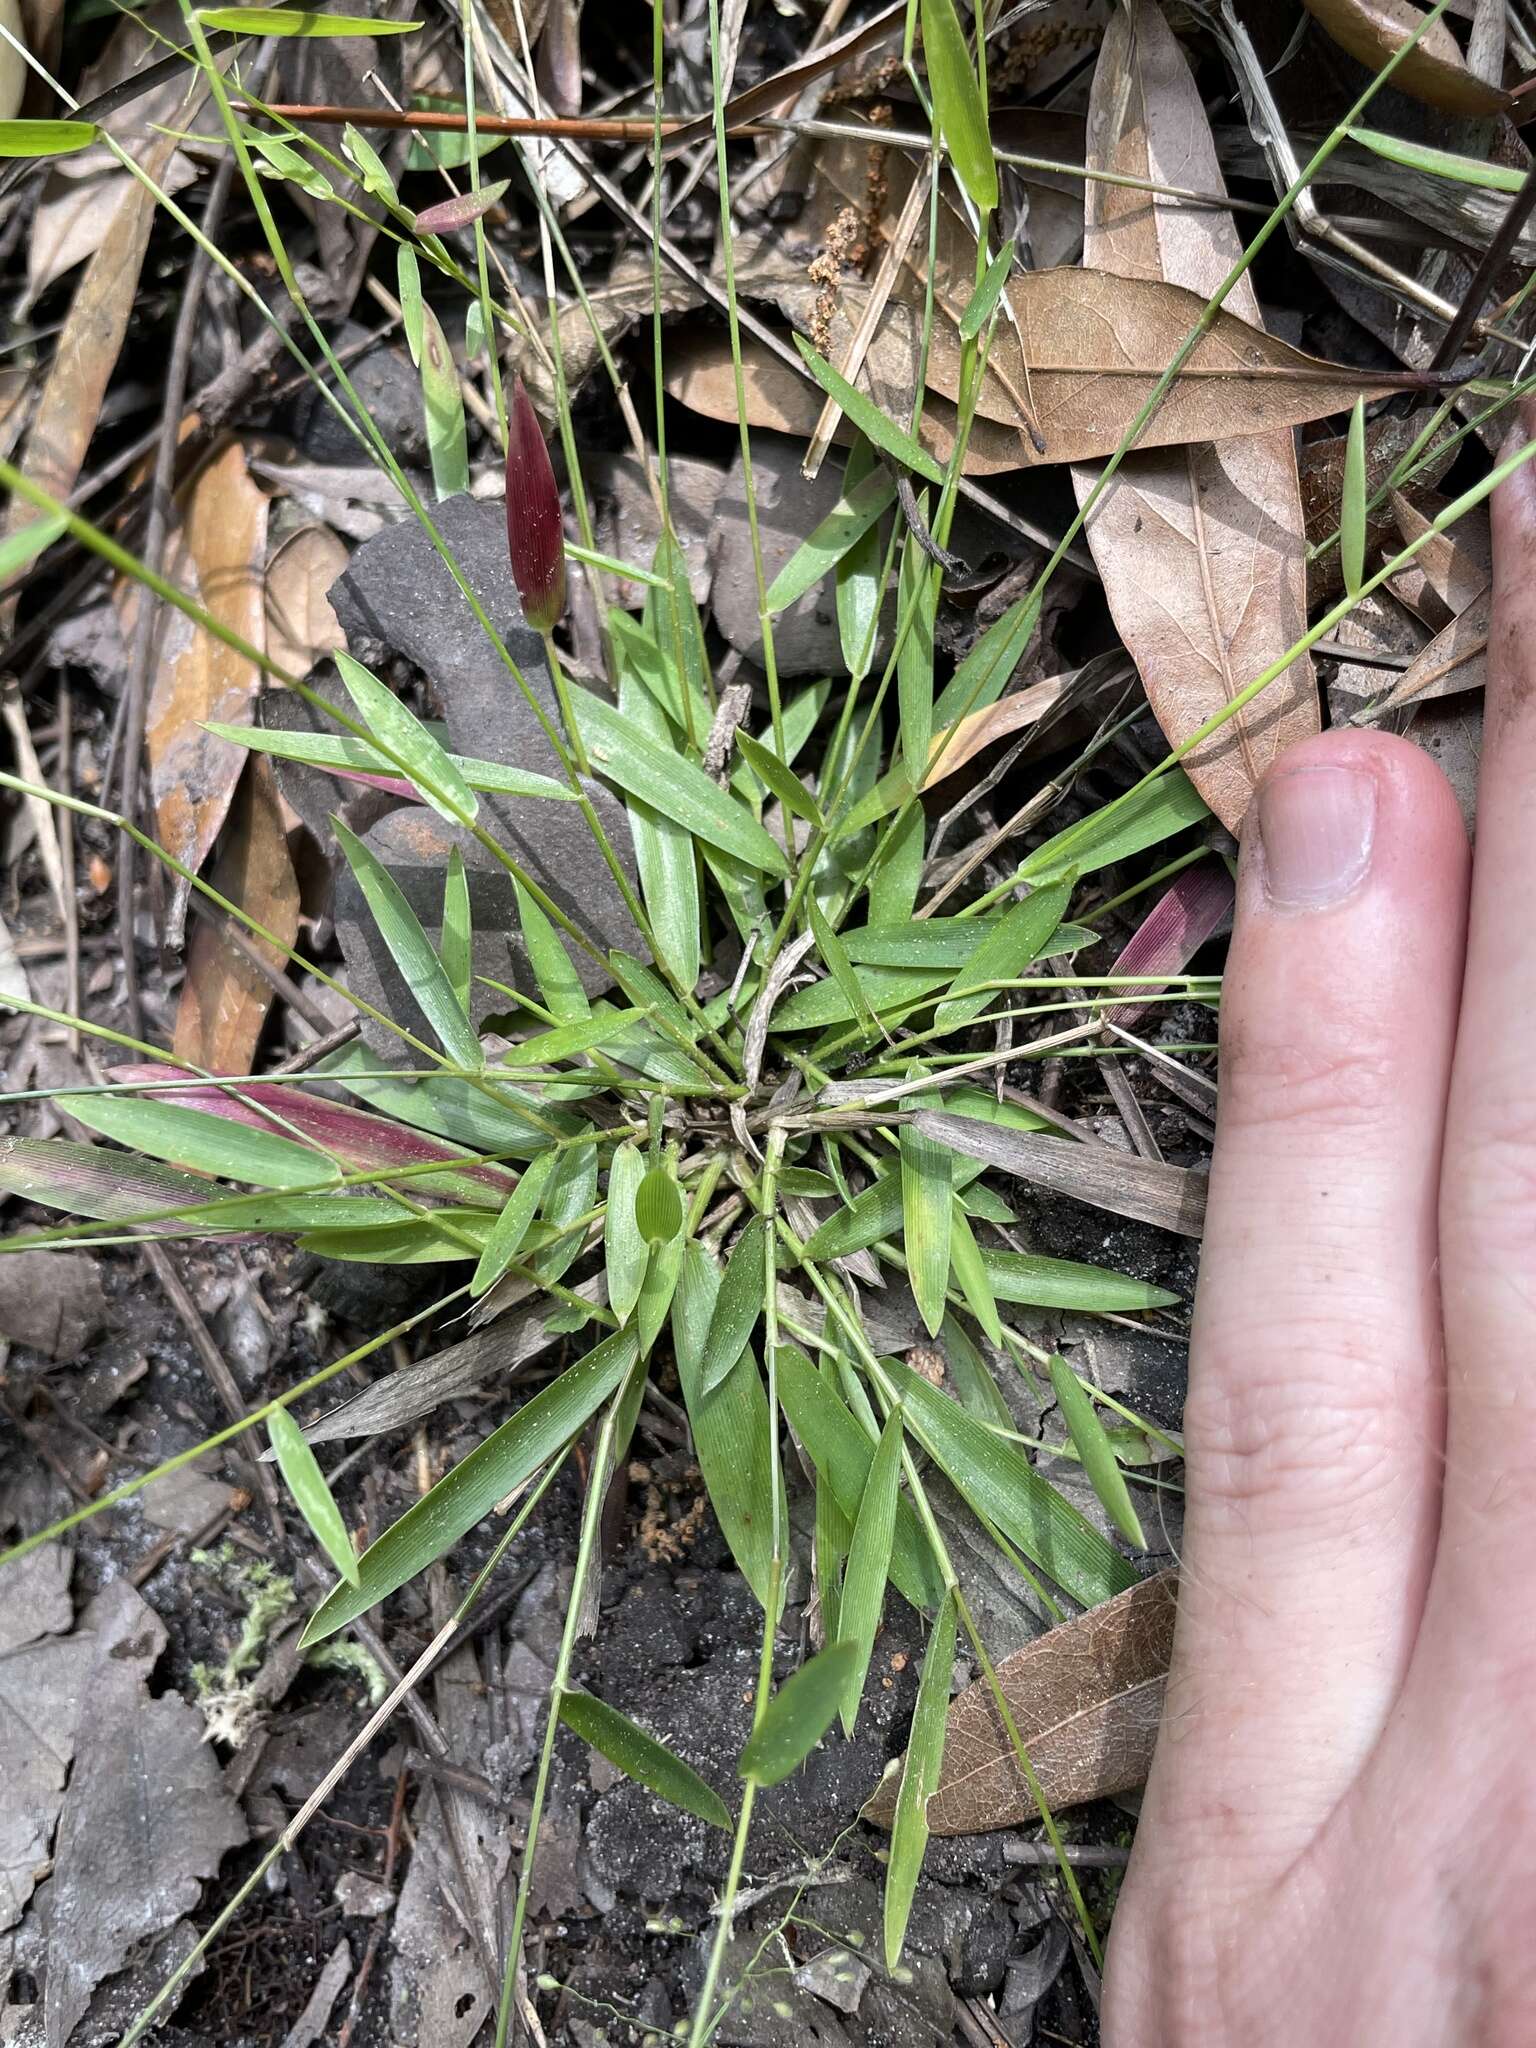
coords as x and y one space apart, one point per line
1338 1842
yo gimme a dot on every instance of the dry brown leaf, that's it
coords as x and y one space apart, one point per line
220 547
1150 1190
1373 31
1458 564
1085 347
1086 1698
13 66
699 374
225 997
961 742
1454 661
1202 550
301 626
85 356
1239 379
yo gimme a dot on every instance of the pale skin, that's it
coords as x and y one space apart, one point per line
1338 1842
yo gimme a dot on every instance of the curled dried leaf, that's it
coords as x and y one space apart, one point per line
1086 1698
1434 71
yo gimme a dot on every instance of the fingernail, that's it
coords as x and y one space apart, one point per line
1316 825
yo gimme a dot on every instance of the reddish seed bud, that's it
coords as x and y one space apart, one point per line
535 535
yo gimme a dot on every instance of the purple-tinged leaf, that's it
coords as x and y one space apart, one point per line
462 211
1173 931
535 533
361 1141
88 1180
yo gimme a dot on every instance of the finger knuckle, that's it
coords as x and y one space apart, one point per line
1332 1086
1323 1442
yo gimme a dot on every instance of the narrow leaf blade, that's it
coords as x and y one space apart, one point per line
311 1492
630 1749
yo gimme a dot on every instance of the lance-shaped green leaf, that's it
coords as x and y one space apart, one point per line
885 988
1352 512
784 782
875 425
957 100
732 1427
657 1291
842 1451
917 602
372 172
442 399
989 667
1062 1283
833 1534
569 1041
512 1225
927 1204
457 943
312 1495
971 1274
286 21
869 1562
569 1194
658 1207
558 982
430 767
509 1456
737 1306
871 1215
936 942
211 1144
858 571
978 308
798 1715
1439 163
854 514
898 875
290 164
1144 818
672 784
1097 1453
28 542
535 529
920 1778
345 755
1004 952
640 1756
45 138
359 1140
842 969
441 1237
664 851
411 950
624 1250
999 1482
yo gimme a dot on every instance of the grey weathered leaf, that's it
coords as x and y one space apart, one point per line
404 1396
1172 1197
1202 548
145 1819
1086 1698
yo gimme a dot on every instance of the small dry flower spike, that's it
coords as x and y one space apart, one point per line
535 533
